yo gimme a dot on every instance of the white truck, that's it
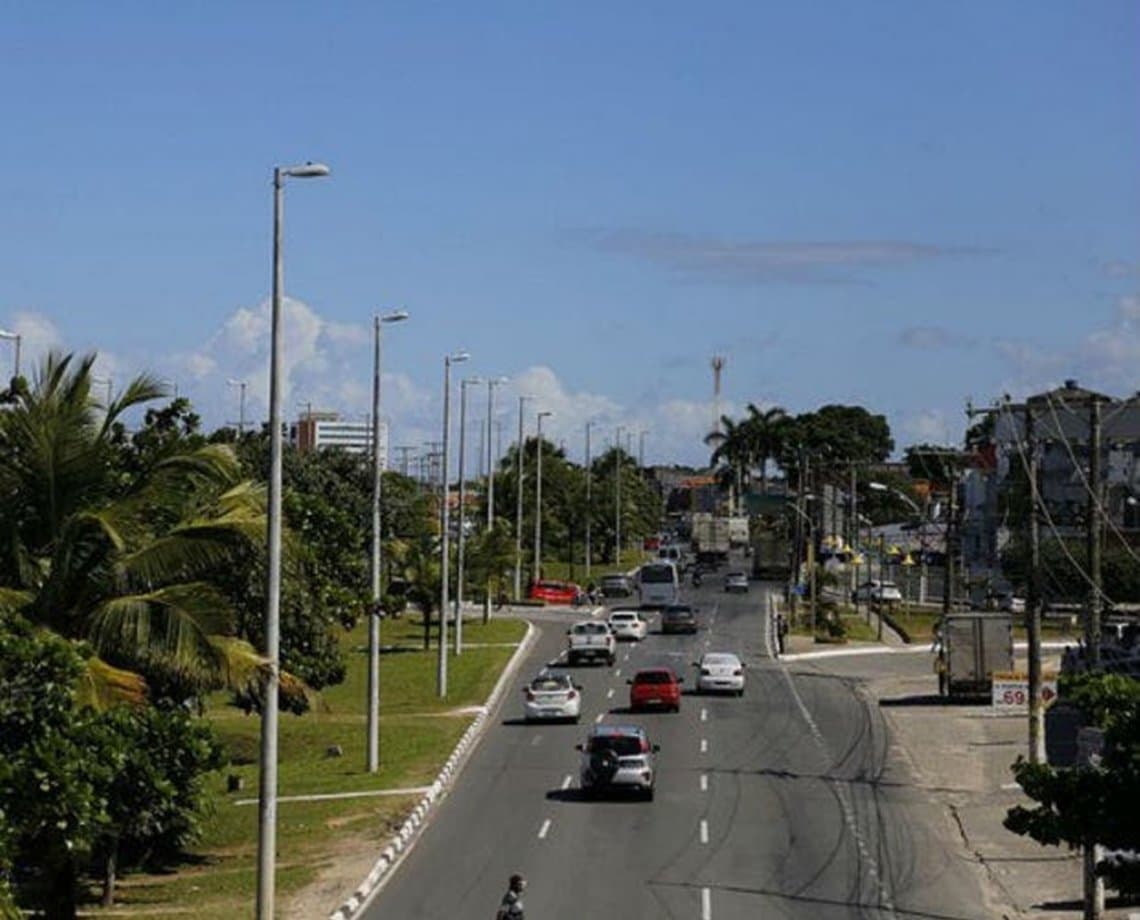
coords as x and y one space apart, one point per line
590 640
738 530
711 538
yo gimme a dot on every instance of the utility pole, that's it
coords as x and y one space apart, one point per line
853 530
1093 522
1033 605
1094 884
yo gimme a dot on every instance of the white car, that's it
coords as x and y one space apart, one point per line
628 624
720 672
552 696
878 592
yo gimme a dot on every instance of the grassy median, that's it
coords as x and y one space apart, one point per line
417 734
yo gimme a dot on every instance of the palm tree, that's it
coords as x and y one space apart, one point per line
766 433
121 562
731 452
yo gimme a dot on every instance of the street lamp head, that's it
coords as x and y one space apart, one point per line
396 316
234 382
306 171
471 381
5 334
877 486
457 357
496 381
545 413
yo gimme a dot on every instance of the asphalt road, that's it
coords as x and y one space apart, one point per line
787 802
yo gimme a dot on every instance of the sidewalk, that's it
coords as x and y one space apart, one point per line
961 754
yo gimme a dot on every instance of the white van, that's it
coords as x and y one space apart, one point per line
658 584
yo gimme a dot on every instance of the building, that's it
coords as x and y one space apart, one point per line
325 430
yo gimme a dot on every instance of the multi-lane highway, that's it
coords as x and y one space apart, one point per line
787 802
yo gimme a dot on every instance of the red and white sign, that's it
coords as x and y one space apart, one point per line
1011 690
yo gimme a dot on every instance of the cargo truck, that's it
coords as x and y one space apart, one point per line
710 538
971 646
771 549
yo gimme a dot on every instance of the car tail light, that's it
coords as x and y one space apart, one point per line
572 695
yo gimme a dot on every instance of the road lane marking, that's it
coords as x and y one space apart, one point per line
542 831
617 673
566 781
706 904
626 658
610 693
708 642
1010 786
704 745
704 782
704 831
536 740
598 719
704 715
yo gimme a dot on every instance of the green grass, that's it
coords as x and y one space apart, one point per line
560 571
417 734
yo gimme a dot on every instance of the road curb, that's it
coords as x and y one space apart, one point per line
402 843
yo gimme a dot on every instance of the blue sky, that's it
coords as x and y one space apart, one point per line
902 205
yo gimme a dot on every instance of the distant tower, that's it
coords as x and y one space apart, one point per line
717 366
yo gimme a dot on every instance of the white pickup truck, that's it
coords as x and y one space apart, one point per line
590 640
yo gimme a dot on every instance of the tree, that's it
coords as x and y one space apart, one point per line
78 784
766 431
1086 805
121 560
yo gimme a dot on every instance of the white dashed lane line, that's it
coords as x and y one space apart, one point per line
704 715
610 693
566 781
706 904
599 717
704 782
704 745
536 741
617 673
704 831
542 831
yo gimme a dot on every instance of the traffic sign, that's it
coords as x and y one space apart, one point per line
1011 690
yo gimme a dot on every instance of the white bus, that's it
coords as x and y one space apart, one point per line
658 584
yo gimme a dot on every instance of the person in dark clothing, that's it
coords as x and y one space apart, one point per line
511 907
781 633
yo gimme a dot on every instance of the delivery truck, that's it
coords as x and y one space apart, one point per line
971 646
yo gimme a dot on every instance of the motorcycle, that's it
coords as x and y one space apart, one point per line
696 579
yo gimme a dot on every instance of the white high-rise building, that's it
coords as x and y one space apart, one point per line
322 430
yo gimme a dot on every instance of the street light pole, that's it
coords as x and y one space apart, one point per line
16 338
492 382
373 755
519 502
445 524
589 508
468 381
538 499
240 384
617 496
267 791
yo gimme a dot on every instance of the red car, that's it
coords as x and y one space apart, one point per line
655 687
555 592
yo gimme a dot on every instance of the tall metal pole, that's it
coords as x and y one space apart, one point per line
537 573
445 527
1033 605
462 511
492 382
641 448
617 496
1093 529
589 507
373 752
267 784
519 503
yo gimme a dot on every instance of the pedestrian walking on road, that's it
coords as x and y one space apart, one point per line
781 633
511 907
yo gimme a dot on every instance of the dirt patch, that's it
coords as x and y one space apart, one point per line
350 859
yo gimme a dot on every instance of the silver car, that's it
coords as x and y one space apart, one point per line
736 581
552 696
628 624
720 672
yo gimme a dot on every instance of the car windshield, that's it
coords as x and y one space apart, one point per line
653 677
678 613
590 629
623 617
717 660
550 683
622 745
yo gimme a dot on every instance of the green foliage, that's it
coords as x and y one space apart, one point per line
75 782
1064 581
1091 804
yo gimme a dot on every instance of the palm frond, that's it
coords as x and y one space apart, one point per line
102 686
14 600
